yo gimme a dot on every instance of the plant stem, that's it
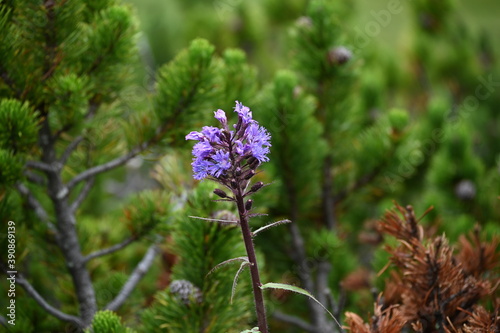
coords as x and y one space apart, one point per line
254 270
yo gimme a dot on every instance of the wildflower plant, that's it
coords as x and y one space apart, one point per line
230 156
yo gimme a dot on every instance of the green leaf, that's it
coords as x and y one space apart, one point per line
273 285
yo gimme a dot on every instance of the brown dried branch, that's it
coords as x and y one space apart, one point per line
433 289
388 320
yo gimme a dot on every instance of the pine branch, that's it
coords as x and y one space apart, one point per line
36 206
34 178
67 235
304 273
44 304
119 161
69 149
324 268
295 321
93 106
108 166
141 269
109 250
328 199
82 195
30 290
52 60
9 82
42 166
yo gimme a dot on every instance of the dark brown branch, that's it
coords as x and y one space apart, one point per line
295 321
82 195
109 250
141 269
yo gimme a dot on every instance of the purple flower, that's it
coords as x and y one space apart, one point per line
201 168
212 134
202 149
242 149
243 112
220 152
222 163
195 136
259 141
221 116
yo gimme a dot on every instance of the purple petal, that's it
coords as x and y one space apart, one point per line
195 136
220 115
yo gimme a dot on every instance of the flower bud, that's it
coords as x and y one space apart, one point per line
234 184
249 174
221 116
220 193
248 204
253 163
257 186
237 172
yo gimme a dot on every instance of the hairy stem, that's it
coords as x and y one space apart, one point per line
254 269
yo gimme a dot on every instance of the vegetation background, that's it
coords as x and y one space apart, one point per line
363 143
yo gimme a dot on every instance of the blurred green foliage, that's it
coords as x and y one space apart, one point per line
366 102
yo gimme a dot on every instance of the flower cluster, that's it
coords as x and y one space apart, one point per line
221 152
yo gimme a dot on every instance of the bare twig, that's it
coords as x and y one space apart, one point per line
35 178
43 303
70 148
3 321
82 195
324 268
119 161
93 106
109 250
36 206
303 325
140 270
40 166
30 290
107 166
